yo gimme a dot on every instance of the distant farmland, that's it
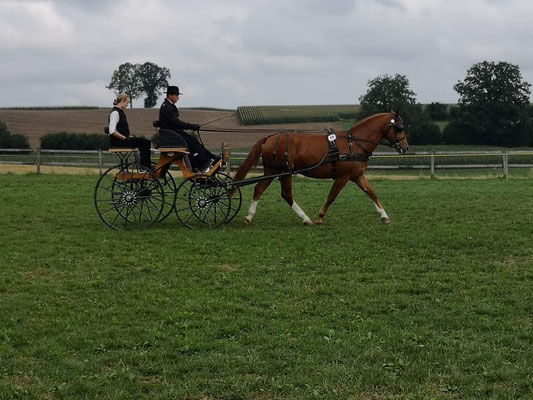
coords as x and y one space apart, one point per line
35 122
254 115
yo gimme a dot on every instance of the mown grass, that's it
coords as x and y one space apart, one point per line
436 305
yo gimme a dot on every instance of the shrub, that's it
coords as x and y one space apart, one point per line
419 127
75 141
437 111
10 140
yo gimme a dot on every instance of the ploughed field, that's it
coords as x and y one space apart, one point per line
36 122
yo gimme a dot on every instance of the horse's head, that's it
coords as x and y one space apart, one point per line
395 133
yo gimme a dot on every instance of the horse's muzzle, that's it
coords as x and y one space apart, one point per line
399 148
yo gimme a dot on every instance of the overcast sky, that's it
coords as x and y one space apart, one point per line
227 53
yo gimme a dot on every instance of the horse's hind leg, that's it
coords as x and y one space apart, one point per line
258 192
286 193
333 193
365 186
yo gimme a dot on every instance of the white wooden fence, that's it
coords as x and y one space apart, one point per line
431 161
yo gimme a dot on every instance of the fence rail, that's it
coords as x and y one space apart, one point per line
432 161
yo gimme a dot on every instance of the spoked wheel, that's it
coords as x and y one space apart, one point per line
169 187
129 196
236 198
202 201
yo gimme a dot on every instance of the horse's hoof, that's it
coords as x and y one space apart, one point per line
247 221
308 223
319 222
385 220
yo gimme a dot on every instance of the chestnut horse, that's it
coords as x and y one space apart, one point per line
283 153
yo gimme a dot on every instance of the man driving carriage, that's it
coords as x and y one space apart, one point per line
201 158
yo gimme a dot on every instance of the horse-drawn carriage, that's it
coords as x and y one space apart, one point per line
129 194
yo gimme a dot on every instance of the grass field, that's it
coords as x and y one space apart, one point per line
436 305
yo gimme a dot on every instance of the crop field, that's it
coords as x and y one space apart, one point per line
34 123
436 305
257 115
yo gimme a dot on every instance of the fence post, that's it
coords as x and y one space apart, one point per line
100 160
226 154
506 165
432 158
38 161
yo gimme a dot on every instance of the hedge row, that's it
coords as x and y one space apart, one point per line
10 140
75 141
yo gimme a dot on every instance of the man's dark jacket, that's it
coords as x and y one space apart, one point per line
169 118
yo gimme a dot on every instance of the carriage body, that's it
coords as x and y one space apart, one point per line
129 195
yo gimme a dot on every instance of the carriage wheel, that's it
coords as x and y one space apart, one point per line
169 187
202 201
236 199
128 196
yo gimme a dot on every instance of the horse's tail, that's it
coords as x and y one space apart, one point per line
251 161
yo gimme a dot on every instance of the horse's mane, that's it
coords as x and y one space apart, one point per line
367 119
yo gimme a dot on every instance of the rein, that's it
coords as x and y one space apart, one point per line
258 130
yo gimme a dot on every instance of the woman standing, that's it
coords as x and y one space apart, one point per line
119 130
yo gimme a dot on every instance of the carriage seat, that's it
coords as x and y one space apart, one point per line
169 139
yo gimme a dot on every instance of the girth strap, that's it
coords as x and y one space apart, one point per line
284 163
334 153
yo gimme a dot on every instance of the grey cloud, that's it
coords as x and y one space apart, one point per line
238 52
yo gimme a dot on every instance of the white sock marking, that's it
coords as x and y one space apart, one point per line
252 210
300 213
381 211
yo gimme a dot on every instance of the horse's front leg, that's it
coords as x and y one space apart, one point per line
258 191
339 183
365 186
286 193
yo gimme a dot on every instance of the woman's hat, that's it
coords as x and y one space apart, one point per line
173 90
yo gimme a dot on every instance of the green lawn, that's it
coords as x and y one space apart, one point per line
436 305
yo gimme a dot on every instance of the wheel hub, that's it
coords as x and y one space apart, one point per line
202 203
129 197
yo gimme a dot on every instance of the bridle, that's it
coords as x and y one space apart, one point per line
398 129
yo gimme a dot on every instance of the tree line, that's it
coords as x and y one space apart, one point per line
493 108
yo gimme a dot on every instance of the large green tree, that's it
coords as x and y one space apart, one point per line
136 79
125 79
493 102
386 93
153 79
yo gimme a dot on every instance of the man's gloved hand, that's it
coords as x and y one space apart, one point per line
194 127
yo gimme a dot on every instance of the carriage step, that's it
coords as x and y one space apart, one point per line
121 150
183 150
215 166
134 177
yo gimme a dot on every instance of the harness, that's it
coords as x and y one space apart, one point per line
334 155
284 163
